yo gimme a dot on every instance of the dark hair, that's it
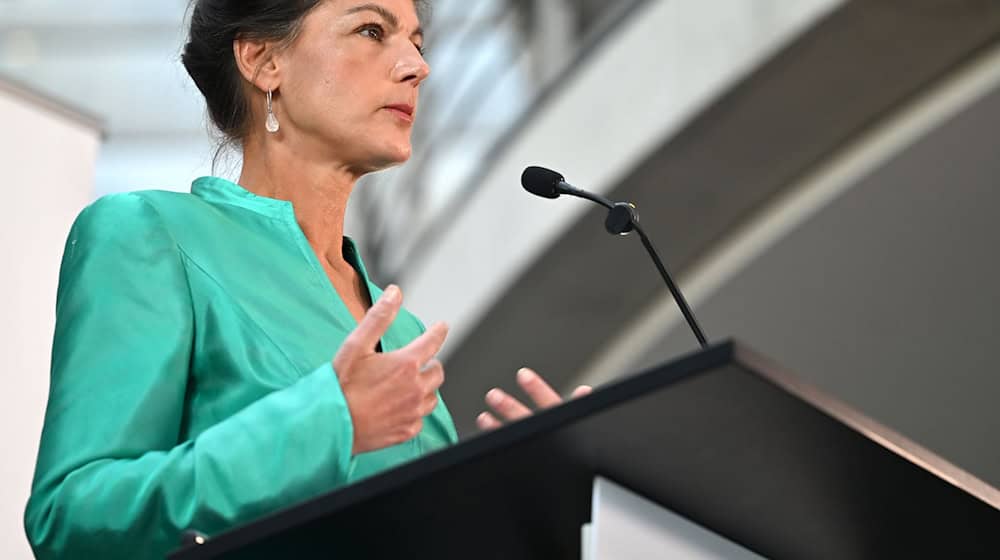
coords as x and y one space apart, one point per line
209 59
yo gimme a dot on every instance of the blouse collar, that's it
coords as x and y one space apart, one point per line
222 191
217 190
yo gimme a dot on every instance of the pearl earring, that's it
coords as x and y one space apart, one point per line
271 124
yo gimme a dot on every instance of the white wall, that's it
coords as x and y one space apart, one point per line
647 80
47 159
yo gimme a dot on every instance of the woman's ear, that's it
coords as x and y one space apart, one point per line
257 63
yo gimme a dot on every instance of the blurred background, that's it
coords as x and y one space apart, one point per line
819 174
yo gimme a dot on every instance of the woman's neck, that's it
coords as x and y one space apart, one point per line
318 191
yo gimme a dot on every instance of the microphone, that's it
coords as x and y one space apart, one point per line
543 182
623 218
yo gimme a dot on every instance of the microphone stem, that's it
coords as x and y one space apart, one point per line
674 291
566 188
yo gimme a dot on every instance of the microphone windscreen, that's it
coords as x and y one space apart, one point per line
541 182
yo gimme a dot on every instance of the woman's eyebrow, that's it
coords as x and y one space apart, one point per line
387 15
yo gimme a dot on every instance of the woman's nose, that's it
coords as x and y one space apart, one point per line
411 67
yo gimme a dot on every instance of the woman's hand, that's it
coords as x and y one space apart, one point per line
388 394
509 408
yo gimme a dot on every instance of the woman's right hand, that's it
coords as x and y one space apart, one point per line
389 393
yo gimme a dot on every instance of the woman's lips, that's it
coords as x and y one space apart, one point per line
402 111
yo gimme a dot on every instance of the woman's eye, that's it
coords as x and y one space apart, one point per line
373 31
420 50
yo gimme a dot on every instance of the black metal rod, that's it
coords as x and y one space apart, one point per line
573 191
674 291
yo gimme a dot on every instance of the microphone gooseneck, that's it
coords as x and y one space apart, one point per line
622 219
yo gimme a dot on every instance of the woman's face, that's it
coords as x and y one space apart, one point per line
350 81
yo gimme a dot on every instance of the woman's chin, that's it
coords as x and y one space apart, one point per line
392 157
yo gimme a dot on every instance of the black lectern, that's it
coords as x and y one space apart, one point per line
721 437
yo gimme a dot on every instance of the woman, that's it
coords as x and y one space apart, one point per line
192 381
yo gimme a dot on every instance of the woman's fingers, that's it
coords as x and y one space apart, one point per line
487 421
509 409
433 375
363 339
507 406
581 391
427 345
429 404
536 388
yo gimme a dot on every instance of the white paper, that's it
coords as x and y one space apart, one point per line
625 525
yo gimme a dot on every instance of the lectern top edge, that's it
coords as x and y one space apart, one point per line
877 432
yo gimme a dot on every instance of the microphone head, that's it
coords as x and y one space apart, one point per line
541 182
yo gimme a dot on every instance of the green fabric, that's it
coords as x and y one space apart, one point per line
192 384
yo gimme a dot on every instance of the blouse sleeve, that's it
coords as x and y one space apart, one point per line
113 478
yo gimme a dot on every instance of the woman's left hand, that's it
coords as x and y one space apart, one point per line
509 408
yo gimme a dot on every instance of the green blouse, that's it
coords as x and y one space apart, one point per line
192 384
